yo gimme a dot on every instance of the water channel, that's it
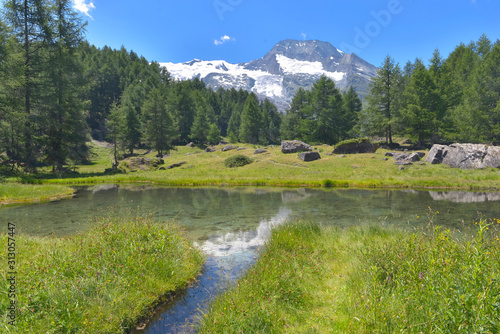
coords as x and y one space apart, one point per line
231 224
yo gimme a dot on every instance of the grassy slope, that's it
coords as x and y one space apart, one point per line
277 169
365 280
103 281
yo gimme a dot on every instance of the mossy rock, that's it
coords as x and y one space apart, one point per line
353 146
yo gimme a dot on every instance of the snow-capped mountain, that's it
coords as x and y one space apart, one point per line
289 65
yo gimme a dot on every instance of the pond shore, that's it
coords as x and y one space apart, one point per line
271 168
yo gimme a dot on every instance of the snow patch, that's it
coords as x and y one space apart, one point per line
294 66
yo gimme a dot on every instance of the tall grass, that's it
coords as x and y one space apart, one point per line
314 279
103 281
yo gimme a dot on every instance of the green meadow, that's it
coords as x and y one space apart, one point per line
272 168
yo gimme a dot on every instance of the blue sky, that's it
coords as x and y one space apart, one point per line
243 30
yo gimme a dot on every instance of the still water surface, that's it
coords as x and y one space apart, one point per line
230 224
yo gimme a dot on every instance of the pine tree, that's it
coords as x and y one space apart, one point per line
200 128
115 126
290 128
29 22
352 108
421 113
383 105
214 134
62 115
158 125
327 110
251 121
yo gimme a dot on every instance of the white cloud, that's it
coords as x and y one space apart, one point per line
83 7
224 39
304 36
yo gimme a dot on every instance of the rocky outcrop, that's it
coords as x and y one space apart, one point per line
260 151
294 146
210 149
356 146
309 156
465 156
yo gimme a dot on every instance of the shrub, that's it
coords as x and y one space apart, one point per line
238 160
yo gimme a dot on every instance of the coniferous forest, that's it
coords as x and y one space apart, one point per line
57 92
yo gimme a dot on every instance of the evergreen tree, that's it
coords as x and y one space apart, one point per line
352 108
290 128
115 126
29 22
421 113
158 125
271 118
327 111
251 121
383 105
214 134
183 107
62 118
200 128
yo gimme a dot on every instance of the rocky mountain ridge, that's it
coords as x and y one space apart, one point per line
289 65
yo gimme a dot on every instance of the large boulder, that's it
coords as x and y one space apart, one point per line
465 156
362 145
294 146
309 156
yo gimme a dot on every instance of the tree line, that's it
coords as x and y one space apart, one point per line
456 99
57 92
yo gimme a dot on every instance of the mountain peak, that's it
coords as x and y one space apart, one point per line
311 50
289 65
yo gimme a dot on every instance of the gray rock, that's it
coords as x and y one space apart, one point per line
210 149
240 149
223 142
390 154
341 156
294 146
309 156
465 156
411 157
401 168
229 148
191 144
260 151
492 158
437 154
